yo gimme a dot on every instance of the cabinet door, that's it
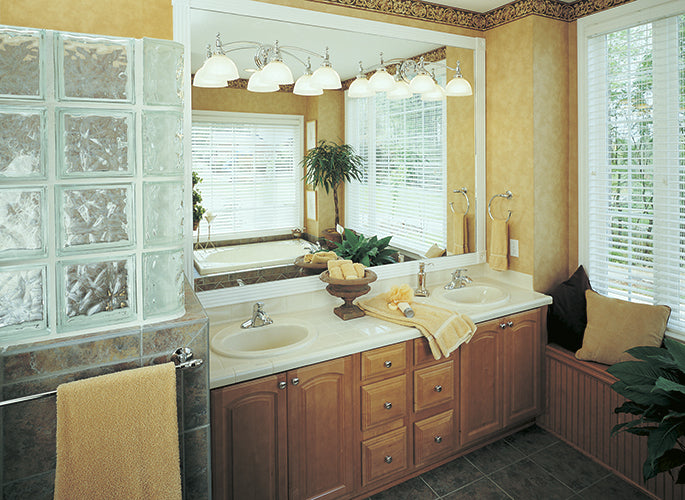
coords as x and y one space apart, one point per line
320 431
249 439
480 384
522 349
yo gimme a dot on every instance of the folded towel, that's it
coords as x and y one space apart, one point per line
434 251
444 329
117 436
460 234
499 245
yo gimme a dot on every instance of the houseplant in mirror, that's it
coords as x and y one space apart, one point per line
198 209
368 251
327 165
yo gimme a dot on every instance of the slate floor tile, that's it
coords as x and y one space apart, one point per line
612 487
526 480
451 476
495 456
483 489
570 466
414 489
531 440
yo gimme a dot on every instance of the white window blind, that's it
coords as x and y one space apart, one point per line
252 178
636 164
402 192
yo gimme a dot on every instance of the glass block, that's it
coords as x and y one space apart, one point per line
94 67
96 292
96 143
23 305
162 143
95 217
21 62
163 213
22 228
162 72
163 283
22 143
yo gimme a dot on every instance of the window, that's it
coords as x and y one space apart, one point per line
634 182
402 192
252 177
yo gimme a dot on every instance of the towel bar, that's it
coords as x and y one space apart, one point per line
463 191
182 358
507 195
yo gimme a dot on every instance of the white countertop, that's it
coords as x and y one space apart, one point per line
336 338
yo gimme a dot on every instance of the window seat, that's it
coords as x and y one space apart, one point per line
579 408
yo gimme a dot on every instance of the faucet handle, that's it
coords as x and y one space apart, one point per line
258 307
459 273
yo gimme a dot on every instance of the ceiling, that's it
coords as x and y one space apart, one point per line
478 5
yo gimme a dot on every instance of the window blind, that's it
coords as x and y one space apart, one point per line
402 192
252 178
636 164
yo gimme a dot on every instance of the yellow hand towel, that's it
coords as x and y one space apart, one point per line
117 436
444 329
499 245
461 234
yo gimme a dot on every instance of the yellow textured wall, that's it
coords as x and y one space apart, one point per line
242 101
129 18
572 146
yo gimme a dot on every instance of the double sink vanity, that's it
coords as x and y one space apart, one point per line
311 406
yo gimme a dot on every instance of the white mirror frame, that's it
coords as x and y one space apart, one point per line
261 291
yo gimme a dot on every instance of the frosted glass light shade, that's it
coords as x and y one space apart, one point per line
327 78
278 72
437 94
257 83
399 91
421 83
458 86
202 79
381 80
221 67
360 88
305 85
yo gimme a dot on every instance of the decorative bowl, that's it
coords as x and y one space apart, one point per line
348 290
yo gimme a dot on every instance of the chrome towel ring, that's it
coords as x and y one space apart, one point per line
463 191
507 195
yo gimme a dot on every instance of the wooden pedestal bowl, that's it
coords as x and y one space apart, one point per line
348 290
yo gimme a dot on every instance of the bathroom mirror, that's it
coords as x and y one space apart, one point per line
350 40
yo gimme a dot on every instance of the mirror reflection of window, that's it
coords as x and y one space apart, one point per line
252 178
403 191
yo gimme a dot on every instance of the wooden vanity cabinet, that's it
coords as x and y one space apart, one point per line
285 436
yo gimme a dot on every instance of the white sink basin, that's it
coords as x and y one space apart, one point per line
474 295
278 338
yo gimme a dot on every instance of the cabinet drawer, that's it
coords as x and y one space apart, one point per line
423 354
433 385
434 437
384 455
387 361
383 401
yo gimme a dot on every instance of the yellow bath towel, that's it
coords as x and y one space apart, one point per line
499 245
117 436
461 234
444 329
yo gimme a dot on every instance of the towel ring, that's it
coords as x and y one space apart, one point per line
507 195
468 203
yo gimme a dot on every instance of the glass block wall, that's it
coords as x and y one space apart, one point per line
91 182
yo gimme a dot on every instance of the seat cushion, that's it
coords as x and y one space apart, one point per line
566 317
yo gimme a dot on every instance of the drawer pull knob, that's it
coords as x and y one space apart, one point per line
502 325
282 385
510 324
296 381
388 459
438 388
388 405
387 364
438 439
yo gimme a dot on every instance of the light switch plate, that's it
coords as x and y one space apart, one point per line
514 248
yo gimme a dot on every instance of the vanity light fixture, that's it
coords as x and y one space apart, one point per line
325 76
381 80
257 83
305 85
437 94
276 70
458 85
217 70
360 86
400 90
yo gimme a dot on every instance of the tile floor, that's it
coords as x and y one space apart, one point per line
531 464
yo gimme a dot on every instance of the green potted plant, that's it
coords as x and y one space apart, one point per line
198 209
367 251
327 166
655 389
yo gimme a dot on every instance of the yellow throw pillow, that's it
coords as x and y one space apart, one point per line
615 325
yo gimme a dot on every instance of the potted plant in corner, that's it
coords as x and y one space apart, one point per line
327 166
198 209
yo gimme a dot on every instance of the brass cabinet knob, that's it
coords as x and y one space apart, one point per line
438 439
387 364
388 459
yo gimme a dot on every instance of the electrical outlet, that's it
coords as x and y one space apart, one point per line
514 248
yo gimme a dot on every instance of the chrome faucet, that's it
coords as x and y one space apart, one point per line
259 317
421 290
459 280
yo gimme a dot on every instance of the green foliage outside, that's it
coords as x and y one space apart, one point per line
367 251
198 209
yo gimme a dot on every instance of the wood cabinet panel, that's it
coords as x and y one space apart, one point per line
320 430
249 441
433 385
422 353
384 455
384 361
434 437
383 401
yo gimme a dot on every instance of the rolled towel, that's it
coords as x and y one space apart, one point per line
499 245
460 234
349 272
337 263
359 269
336 273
